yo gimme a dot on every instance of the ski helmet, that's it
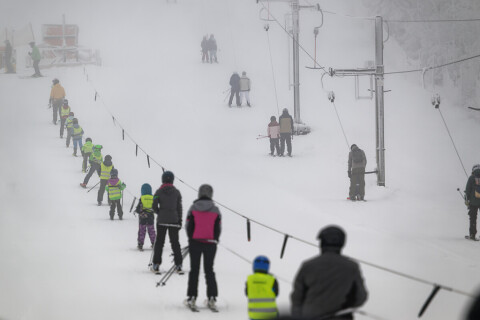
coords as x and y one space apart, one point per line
273 118
261 263
353 146
168 177
476 167
55 81
65 102
75 121
331 236
114 173
205 191
98 147
285 110
88 139
146 189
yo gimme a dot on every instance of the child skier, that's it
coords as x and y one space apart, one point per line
261 289
106 168
64 113
273 132
145 216
77 134
114 189
95 160
69 126
87 150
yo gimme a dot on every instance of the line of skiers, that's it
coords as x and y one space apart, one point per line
209 49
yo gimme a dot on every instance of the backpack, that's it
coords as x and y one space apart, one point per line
357 156
477 188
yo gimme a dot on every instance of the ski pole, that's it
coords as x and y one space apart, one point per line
169 273
461 195
93 187
261 137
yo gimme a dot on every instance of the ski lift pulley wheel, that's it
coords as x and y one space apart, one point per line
331 96
436 100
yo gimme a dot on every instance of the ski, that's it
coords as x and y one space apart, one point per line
193 308
212 307
476 109
355 200
468 238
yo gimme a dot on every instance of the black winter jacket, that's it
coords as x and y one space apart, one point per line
327 284
470 189
235 82
167 204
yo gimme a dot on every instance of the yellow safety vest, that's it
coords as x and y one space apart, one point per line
69 123
77 132
95 158
105 173
64 112
261 298
87 147
147 202
115 191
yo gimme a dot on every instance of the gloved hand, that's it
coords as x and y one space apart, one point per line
349 173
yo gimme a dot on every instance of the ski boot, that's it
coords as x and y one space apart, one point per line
140 247
178 270
83 185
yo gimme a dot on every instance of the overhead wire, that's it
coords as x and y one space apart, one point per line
273 69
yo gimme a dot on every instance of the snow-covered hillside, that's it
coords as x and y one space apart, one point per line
62 258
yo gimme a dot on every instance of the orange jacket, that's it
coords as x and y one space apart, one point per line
57 92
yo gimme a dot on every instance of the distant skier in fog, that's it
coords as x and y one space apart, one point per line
273 132
286 132
64 113
204 46
8 57
472 199
245 88
57 94
356 172
212 49
36 57
234 89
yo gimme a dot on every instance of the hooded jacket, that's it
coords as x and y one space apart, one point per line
57 92
235 82
203 221
167 204
356 165
286 123
273 130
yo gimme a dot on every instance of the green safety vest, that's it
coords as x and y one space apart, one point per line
261 298
64 112
87 147
77 131
69 123
147 202
97 158
105 173
115 191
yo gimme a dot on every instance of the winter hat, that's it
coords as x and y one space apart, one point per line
273 118
75 121
205 191
476 167
65 102
261 263
114 173
108 157
331 237
168 177
55 81
353 146
98 147
88 139
285 110
146 189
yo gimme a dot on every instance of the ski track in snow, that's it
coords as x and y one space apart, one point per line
62 258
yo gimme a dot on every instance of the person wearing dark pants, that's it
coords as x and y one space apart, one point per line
105 167
114 190
64 113
286 132
357 161
87 150
273 132
234 89
36 57
472 199
167 204
203 231
95 160
57 95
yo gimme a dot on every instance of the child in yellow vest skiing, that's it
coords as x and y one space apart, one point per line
114 189
64 113
261 290
69 127
87 150
77 134
95 159
145 216
105 173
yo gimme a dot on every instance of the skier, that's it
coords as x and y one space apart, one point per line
328 283
286 132
261 289
114 189
146 218
95 160
245 88
87 150
212 49
203 231
472 199
234 89
356 172
57 94
36 57
273 132
77 134
69 127
64 113
204 46
167 204
8 56
106 166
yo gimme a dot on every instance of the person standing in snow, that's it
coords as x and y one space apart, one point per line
328 283
167 204
472 199
212 49
36 57
87 150
261 289
356 172
114 190
8 56
69 127
204 46
146 218
273 132
106 166
203 228
234 89
95 161
77 134
286 132
57 94
64 113
245 88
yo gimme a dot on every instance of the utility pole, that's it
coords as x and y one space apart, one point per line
378 72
